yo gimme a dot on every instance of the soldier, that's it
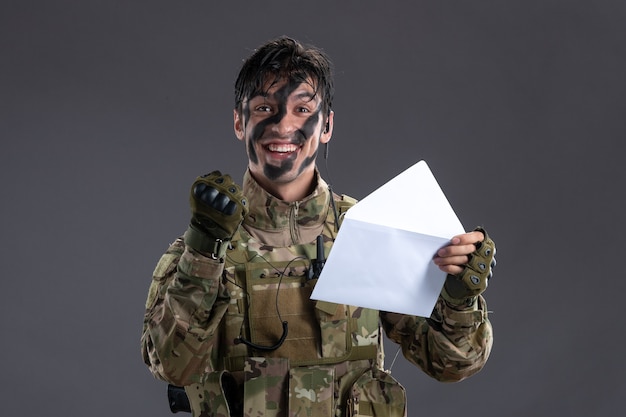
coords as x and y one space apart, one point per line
229 315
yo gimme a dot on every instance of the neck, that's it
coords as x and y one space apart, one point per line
290 191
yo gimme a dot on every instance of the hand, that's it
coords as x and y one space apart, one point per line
453 257
218 206
468 259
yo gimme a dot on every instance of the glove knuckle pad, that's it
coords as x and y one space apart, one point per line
230 208
206 194
220 202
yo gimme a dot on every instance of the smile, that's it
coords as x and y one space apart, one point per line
282 148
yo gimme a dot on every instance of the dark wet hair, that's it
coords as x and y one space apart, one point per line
285 58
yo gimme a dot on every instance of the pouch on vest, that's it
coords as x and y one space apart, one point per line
294 305
376 393
217 396
311 391
265 386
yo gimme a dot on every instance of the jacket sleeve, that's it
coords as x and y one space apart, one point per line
451 345
185 305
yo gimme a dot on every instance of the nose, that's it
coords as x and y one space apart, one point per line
284 126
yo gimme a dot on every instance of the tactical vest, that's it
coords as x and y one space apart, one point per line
270 291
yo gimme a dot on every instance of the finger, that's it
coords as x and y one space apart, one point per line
468 238
451 260
455 250
451 269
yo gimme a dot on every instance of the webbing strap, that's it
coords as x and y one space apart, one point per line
236 363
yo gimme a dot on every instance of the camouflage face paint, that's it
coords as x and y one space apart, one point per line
245 117
307 131
262 130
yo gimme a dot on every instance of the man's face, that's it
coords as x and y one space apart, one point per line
282 129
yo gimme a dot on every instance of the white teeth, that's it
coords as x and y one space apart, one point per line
282 148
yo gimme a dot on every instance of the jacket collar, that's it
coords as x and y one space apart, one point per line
268 213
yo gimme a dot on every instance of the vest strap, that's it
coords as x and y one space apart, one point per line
369 352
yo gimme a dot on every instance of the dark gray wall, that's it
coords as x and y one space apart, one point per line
109 109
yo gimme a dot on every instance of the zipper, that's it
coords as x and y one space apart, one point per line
293 222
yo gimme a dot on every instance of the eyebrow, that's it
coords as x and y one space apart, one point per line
306 94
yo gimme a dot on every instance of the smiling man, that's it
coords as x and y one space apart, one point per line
229 315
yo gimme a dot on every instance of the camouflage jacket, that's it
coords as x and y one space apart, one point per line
330 362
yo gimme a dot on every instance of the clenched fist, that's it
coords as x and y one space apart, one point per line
218 208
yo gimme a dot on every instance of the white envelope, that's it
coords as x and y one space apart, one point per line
382 257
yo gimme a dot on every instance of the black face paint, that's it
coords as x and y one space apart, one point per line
299 137
281 96
307 131
245 117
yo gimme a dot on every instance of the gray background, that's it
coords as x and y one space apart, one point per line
109 109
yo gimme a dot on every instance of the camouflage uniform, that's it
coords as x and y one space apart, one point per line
331 362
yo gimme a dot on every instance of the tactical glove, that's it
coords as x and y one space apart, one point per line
462 288
218 208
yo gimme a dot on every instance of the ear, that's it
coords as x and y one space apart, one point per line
327 131
238 124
